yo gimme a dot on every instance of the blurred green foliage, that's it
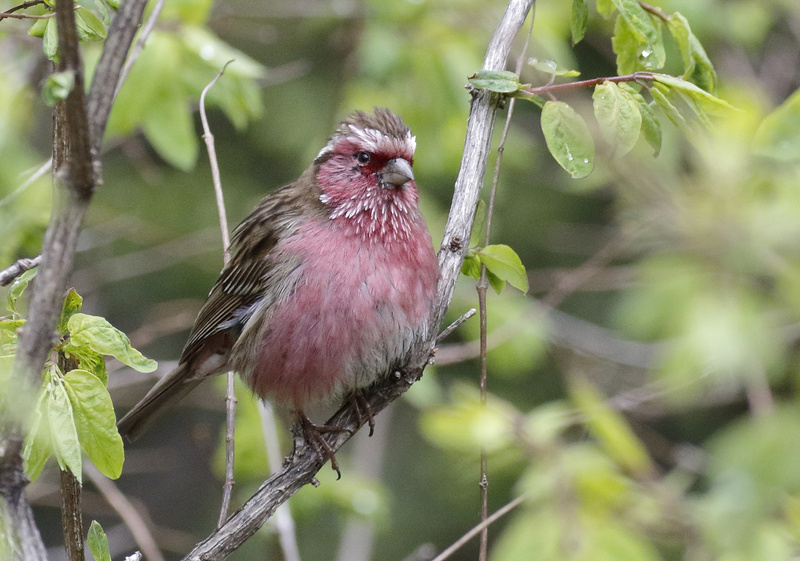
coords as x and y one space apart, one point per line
660 422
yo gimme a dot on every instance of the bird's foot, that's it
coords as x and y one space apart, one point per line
363 410
312 435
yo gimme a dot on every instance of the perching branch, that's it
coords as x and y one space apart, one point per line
299 470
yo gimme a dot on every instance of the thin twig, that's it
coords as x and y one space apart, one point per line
550 88
134 521
482 287
8 275
230 398
453 326
4 15
499 513
24 6
28 182
137 48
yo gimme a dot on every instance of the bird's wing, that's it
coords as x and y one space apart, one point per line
255 271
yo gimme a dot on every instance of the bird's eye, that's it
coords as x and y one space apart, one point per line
363 158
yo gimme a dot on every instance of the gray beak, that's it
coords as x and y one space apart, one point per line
396 173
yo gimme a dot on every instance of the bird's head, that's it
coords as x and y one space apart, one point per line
365 176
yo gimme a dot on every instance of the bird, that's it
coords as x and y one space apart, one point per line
331 281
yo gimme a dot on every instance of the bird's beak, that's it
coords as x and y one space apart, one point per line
396 173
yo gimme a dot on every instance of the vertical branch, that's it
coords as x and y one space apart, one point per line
481 287
230 399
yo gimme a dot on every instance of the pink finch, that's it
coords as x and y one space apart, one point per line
331 281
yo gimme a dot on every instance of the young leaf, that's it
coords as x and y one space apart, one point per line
551 67
95 422
659 93
618 115
706 101
639 20
500 81
50 41
568 138
18 287
578 19
635 52
651 127
697 66
98 542
38 444
495 282
777 136
605 8
503 262
102 337
71 306
90 27
38 28
57 87
471 267
62 428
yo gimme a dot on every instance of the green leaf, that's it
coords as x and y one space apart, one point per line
114 4
500 81
568 138
778 135
98 542
578 19
71 306
497 284
503 262
102 337
618 115
50 42
90 27
659 94
95 422
18 287
551 67
38 28
62 428
610 429
705 100
57 87
697 66
11 324
633 52
38 443
169 127
605 8
640 22
651 127
471 267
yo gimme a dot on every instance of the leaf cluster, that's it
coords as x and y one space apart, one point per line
73 414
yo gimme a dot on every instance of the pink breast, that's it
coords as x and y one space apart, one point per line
356 310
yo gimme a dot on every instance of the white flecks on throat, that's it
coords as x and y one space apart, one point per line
373 215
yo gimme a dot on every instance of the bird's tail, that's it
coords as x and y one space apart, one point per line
168 390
